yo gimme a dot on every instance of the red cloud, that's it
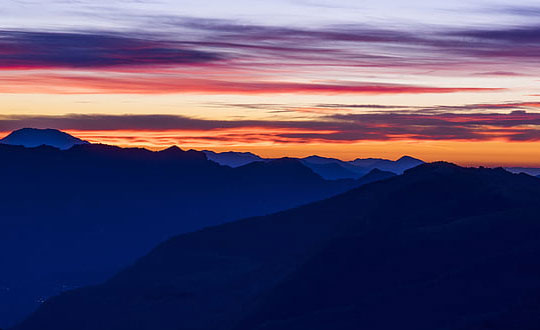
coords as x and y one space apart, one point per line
166 84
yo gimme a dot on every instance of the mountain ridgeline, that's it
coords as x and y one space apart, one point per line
440 247
74 217
328 168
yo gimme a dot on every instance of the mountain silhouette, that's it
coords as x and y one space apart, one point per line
328 168
398 166
332 169
231 158
439 247
528 170
374 176
34 137
74 217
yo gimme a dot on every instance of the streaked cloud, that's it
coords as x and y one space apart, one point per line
347 73
170 84
84 50
517 125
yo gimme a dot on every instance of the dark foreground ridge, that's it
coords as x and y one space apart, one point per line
75 217
438 248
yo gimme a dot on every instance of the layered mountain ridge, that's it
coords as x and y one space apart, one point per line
440 247
74 217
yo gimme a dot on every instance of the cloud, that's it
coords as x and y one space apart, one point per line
184 40
197 55
83 50
516 125
168 84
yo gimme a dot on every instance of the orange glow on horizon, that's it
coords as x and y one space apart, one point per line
465 153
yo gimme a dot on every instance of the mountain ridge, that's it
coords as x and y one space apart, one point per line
140 195
251 274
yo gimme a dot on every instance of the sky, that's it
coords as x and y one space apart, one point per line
438 80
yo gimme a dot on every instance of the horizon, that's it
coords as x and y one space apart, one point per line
270 156
454 81
276 165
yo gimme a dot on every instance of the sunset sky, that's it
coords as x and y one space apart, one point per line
452 80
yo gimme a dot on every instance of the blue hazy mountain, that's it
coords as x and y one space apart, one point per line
398 166
231 158
528 170
34 137
74 217
439 247
328 168
331 168
375 175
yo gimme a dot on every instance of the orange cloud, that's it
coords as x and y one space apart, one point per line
109 83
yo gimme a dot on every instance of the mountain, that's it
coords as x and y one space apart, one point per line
328 168
374 176
438 248
33 137
75 217
398 166
333 169
231 158
529 170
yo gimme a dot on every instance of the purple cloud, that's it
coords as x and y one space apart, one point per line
516 125
20 49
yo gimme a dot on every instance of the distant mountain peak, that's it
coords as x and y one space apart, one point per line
409 158
232 158
172 149
35 137
440 167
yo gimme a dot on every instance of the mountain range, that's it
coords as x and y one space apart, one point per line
440 247
328 168
231 158
528 170
74 217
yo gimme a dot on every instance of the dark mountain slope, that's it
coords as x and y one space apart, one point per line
74 217
436 277
410 249
374 176
33 137
333 171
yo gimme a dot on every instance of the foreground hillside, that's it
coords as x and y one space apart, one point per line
438 248
75 217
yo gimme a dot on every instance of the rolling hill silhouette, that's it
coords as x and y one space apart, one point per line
34 137
440 247
74 217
